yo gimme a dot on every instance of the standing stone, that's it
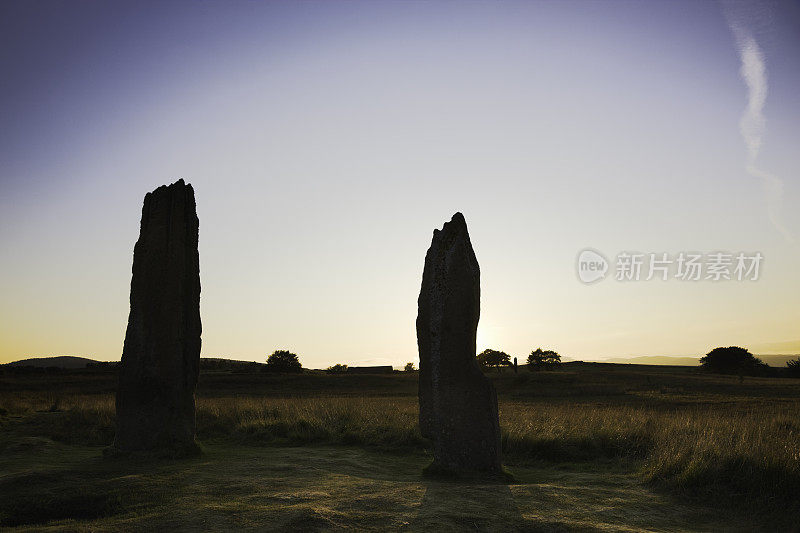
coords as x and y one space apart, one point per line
457 403
161 356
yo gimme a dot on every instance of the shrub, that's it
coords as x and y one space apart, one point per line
543 359
338 368
409 367
733 360
493 358
283 361
793 367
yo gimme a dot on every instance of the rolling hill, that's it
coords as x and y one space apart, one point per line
62 361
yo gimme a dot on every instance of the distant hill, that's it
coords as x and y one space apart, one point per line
62 361
212 363
670 360
71 363
777 360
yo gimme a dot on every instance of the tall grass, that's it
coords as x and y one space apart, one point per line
747 456
719 453
570 432
385 422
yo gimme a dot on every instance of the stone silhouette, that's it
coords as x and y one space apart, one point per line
161 356
457 403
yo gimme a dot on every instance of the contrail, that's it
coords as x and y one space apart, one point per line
753 125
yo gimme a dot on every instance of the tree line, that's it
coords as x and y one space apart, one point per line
538 359
722 360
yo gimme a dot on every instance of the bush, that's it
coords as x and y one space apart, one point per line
733 360
793 367
543 359
409 367
337 369
283 361
493 358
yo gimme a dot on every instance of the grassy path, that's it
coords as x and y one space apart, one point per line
315 488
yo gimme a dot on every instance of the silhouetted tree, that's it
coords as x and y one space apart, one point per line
336 369
733 360
409 367
493 358
793 367
283 361
543 359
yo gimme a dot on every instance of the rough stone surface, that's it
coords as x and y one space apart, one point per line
457 403
161 356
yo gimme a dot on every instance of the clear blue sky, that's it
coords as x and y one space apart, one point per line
326 140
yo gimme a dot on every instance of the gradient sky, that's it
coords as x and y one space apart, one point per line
326 140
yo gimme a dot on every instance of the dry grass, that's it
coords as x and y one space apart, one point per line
313 488
384 422
736 454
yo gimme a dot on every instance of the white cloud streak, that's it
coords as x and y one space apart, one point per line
753 124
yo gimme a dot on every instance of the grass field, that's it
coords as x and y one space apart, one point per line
593 447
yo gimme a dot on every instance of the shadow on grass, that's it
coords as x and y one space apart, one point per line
94 489
39 498
758 488
474 507
601 446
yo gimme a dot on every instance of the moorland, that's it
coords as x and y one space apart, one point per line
591 446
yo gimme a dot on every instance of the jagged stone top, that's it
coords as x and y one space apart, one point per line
453 234
166 202
456 225
180 184
174 190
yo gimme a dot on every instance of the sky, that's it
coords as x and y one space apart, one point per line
326 140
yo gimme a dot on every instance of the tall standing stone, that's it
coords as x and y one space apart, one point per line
161 356
457 403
